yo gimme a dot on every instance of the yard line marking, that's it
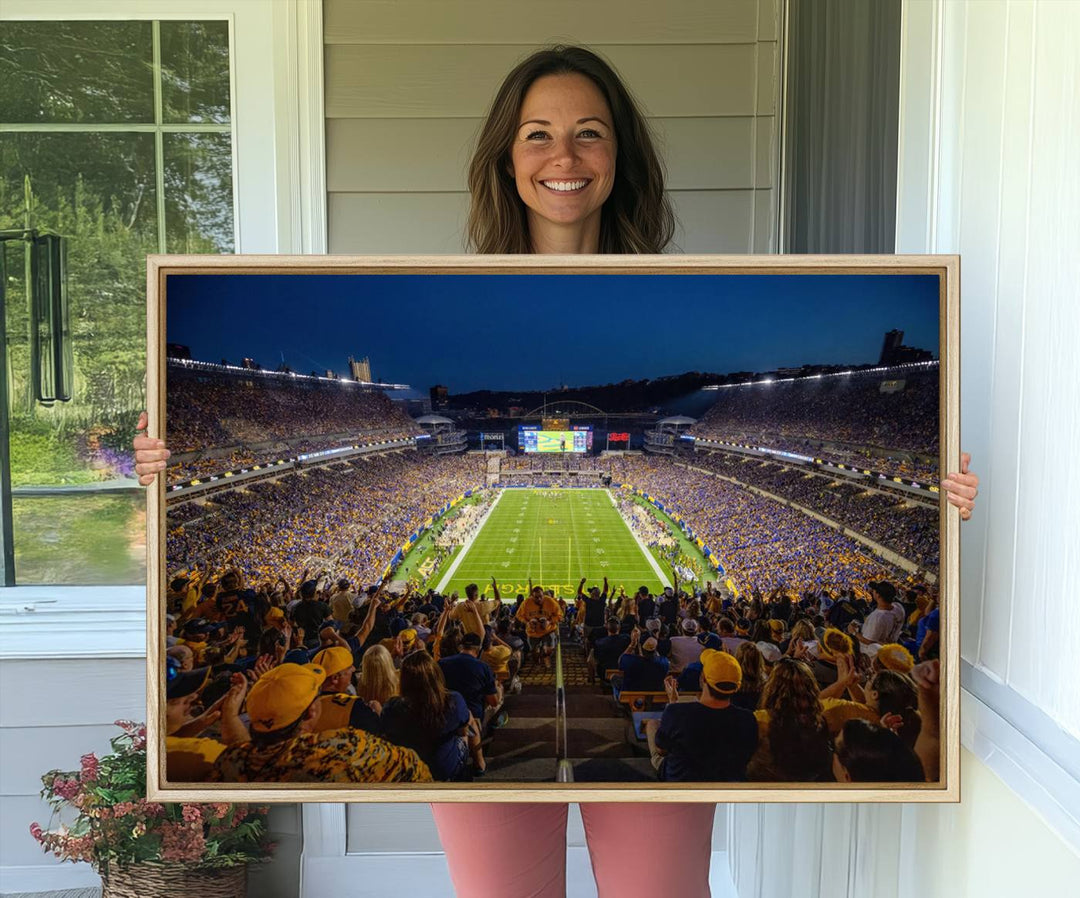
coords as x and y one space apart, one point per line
456 563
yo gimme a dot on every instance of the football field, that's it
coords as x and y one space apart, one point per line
555 537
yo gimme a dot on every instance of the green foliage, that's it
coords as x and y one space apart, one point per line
42 458
81 539
99 190
117 825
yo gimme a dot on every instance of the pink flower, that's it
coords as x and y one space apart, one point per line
123 808
150 808
192 813
181 842
89 767
65 788
36 832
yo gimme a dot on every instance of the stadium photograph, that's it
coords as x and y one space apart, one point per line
544 528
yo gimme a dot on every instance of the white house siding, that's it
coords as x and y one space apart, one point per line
409 81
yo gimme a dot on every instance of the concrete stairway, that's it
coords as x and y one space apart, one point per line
524 750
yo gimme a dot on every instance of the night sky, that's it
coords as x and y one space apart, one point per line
534 332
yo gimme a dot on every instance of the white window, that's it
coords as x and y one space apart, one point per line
211 110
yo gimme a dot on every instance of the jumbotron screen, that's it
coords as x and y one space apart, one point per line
555 440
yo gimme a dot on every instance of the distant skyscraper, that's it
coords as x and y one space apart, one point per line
894 339
360 370
439 397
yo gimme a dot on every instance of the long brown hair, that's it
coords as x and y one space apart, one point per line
798 735
637 216
424 688
753 667
897 694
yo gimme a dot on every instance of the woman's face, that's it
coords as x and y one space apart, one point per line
563 154
872 699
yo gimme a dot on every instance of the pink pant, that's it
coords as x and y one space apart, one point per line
519 850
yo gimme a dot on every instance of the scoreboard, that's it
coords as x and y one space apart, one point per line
532 439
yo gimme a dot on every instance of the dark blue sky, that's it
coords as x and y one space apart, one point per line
523 332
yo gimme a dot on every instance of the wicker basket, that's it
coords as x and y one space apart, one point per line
152 880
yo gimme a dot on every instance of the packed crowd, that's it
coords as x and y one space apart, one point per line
810 686
352 516
321 683
225 410
548 461
891 410
895 521
760 543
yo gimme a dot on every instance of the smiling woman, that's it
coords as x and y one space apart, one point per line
563 162
563 117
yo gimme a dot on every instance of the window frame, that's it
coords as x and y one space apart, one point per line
279 206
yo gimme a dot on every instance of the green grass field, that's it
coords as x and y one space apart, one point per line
555 537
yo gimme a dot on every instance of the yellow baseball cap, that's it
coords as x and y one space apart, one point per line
833 642
281 695
334 659
894 656
721 671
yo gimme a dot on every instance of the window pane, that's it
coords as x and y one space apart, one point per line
98 191
198 193
195 71
76 72
81 540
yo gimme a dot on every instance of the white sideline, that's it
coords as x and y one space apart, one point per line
449 575
664 581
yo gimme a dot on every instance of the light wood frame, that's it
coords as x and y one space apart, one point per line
946 267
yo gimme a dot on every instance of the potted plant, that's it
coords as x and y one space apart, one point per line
143 848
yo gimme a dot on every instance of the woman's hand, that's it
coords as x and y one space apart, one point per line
962 488
150 454
893 722
234 698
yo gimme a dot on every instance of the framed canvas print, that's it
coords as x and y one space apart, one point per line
553 528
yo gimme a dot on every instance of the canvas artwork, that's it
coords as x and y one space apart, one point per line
522 529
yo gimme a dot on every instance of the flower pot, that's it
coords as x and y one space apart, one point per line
162 880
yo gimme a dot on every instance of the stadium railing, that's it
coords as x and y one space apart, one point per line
565 771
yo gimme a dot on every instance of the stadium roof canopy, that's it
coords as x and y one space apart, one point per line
677 419
433 419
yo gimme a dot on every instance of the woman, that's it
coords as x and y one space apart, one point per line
894 699
431 719
873 754
753 676
378 679
565 164
793 738
801 632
